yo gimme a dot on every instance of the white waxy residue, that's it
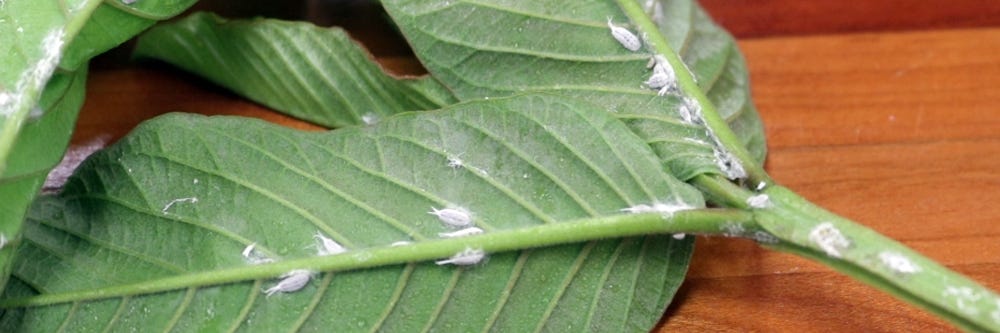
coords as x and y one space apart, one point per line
35 76
829 239
690 112
965 299
663 208
760 201
176 201
898 263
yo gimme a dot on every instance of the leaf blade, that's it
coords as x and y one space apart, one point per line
417 143
514 54
317 74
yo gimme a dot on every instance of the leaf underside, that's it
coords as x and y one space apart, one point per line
127 216
277 64
316 74
496 49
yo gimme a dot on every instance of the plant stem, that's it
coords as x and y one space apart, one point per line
809 231
700 221
685 80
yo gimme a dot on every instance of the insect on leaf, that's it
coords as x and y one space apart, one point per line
567 47
186 194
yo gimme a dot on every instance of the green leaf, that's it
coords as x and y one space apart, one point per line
38 102
183 195
38 150
482 49
115 22
317 74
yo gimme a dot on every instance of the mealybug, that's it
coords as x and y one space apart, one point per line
829 239
454 217
624 37
328 246
759 201
253 257
461 233
467 257
291 282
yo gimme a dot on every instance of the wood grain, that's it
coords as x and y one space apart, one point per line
764 18
897 130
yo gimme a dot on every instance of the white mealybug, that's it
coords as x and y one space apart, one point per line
760 201
455 162
454 217
249 250
663 77
461 233
660 81
680 236
327 246
467 257
761 185
829 239
728 163
657 15
369 119
898 263
690 111
291 282
624 37
253 257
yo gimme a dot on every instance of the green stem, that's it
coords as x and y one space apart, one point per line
685 80
812 232
700 221
721 192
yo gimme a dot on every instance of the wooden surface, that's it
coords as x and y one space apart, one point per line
897 130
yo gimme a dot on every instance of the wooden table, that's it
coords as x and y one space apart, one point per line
878 110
